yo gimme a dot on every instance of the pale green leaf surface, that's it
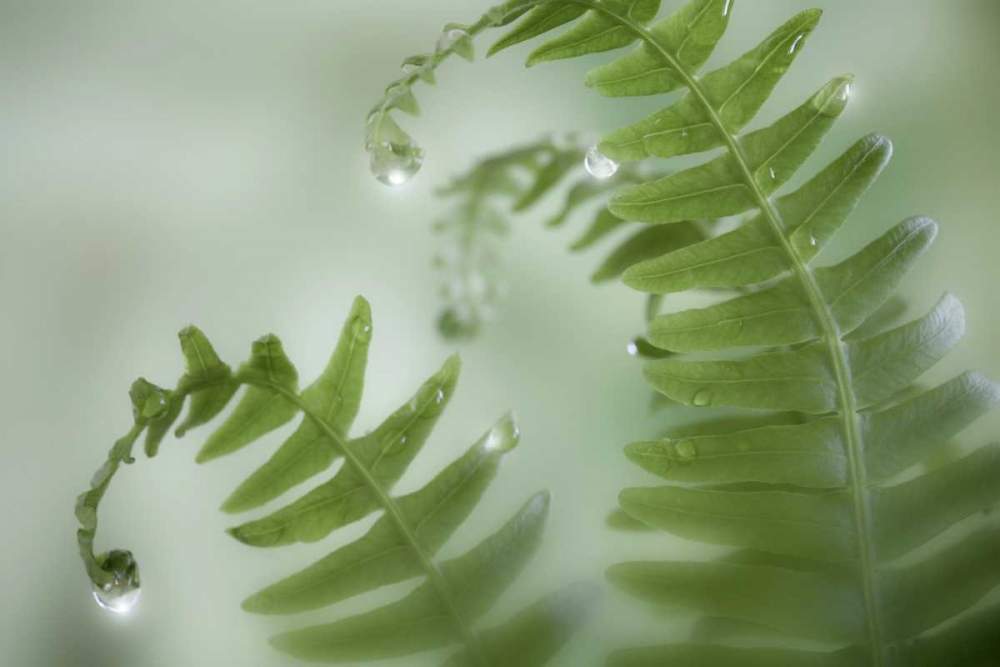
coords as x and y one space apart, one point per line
809 455
886 364
909 514
800 380
597 32
809 525
387 452
905 434
336 394
263 407
796 602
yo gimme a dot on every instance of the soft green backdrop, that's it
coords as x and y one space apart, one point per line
175 162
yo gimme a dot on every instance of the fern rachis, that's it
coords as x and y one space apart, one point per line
402 543
819 540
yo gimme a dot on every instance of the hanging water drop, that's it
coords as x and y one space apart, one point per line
702 398
598 165
685 449
633 349
121 593
395 164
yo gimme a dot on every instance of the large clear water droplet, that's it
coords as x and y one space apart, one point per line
702 398
449 38
599 165
121 594
632 348
395 164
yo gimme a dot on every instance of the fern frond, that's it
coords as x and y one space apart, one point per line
402 543
820 521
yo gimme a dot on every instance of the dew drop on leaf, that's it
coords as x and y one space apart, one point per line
395 164
598 165
503 436
726 8
120 595
702 398
685 449
812 241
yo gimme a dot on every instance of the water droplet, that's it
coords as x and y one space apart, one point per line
685 449
402 439
598 165
772 174
684 134
812 241
121 594
726 8
702 398
449 38
633 349
845 92
439 396
795 45
503 436
395 164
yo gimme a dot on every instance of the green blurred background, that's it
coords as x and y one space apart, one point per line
175 162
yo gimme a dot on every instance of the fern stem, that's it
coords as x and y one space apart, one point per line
831 334
434 574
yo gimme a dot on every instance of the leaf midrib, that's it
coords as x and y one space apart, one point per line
837 350
434 575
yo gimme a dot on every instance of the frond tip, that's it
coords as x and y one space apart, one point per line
402 543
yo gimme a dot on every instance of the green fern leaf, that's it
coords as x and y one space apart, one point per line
444 609
812 503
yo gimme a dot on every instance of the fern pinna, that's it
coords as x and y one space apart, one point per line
402 543
833 523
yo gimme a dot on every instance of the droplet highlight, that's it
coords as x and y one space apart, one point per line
599 165
795 44
395 164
